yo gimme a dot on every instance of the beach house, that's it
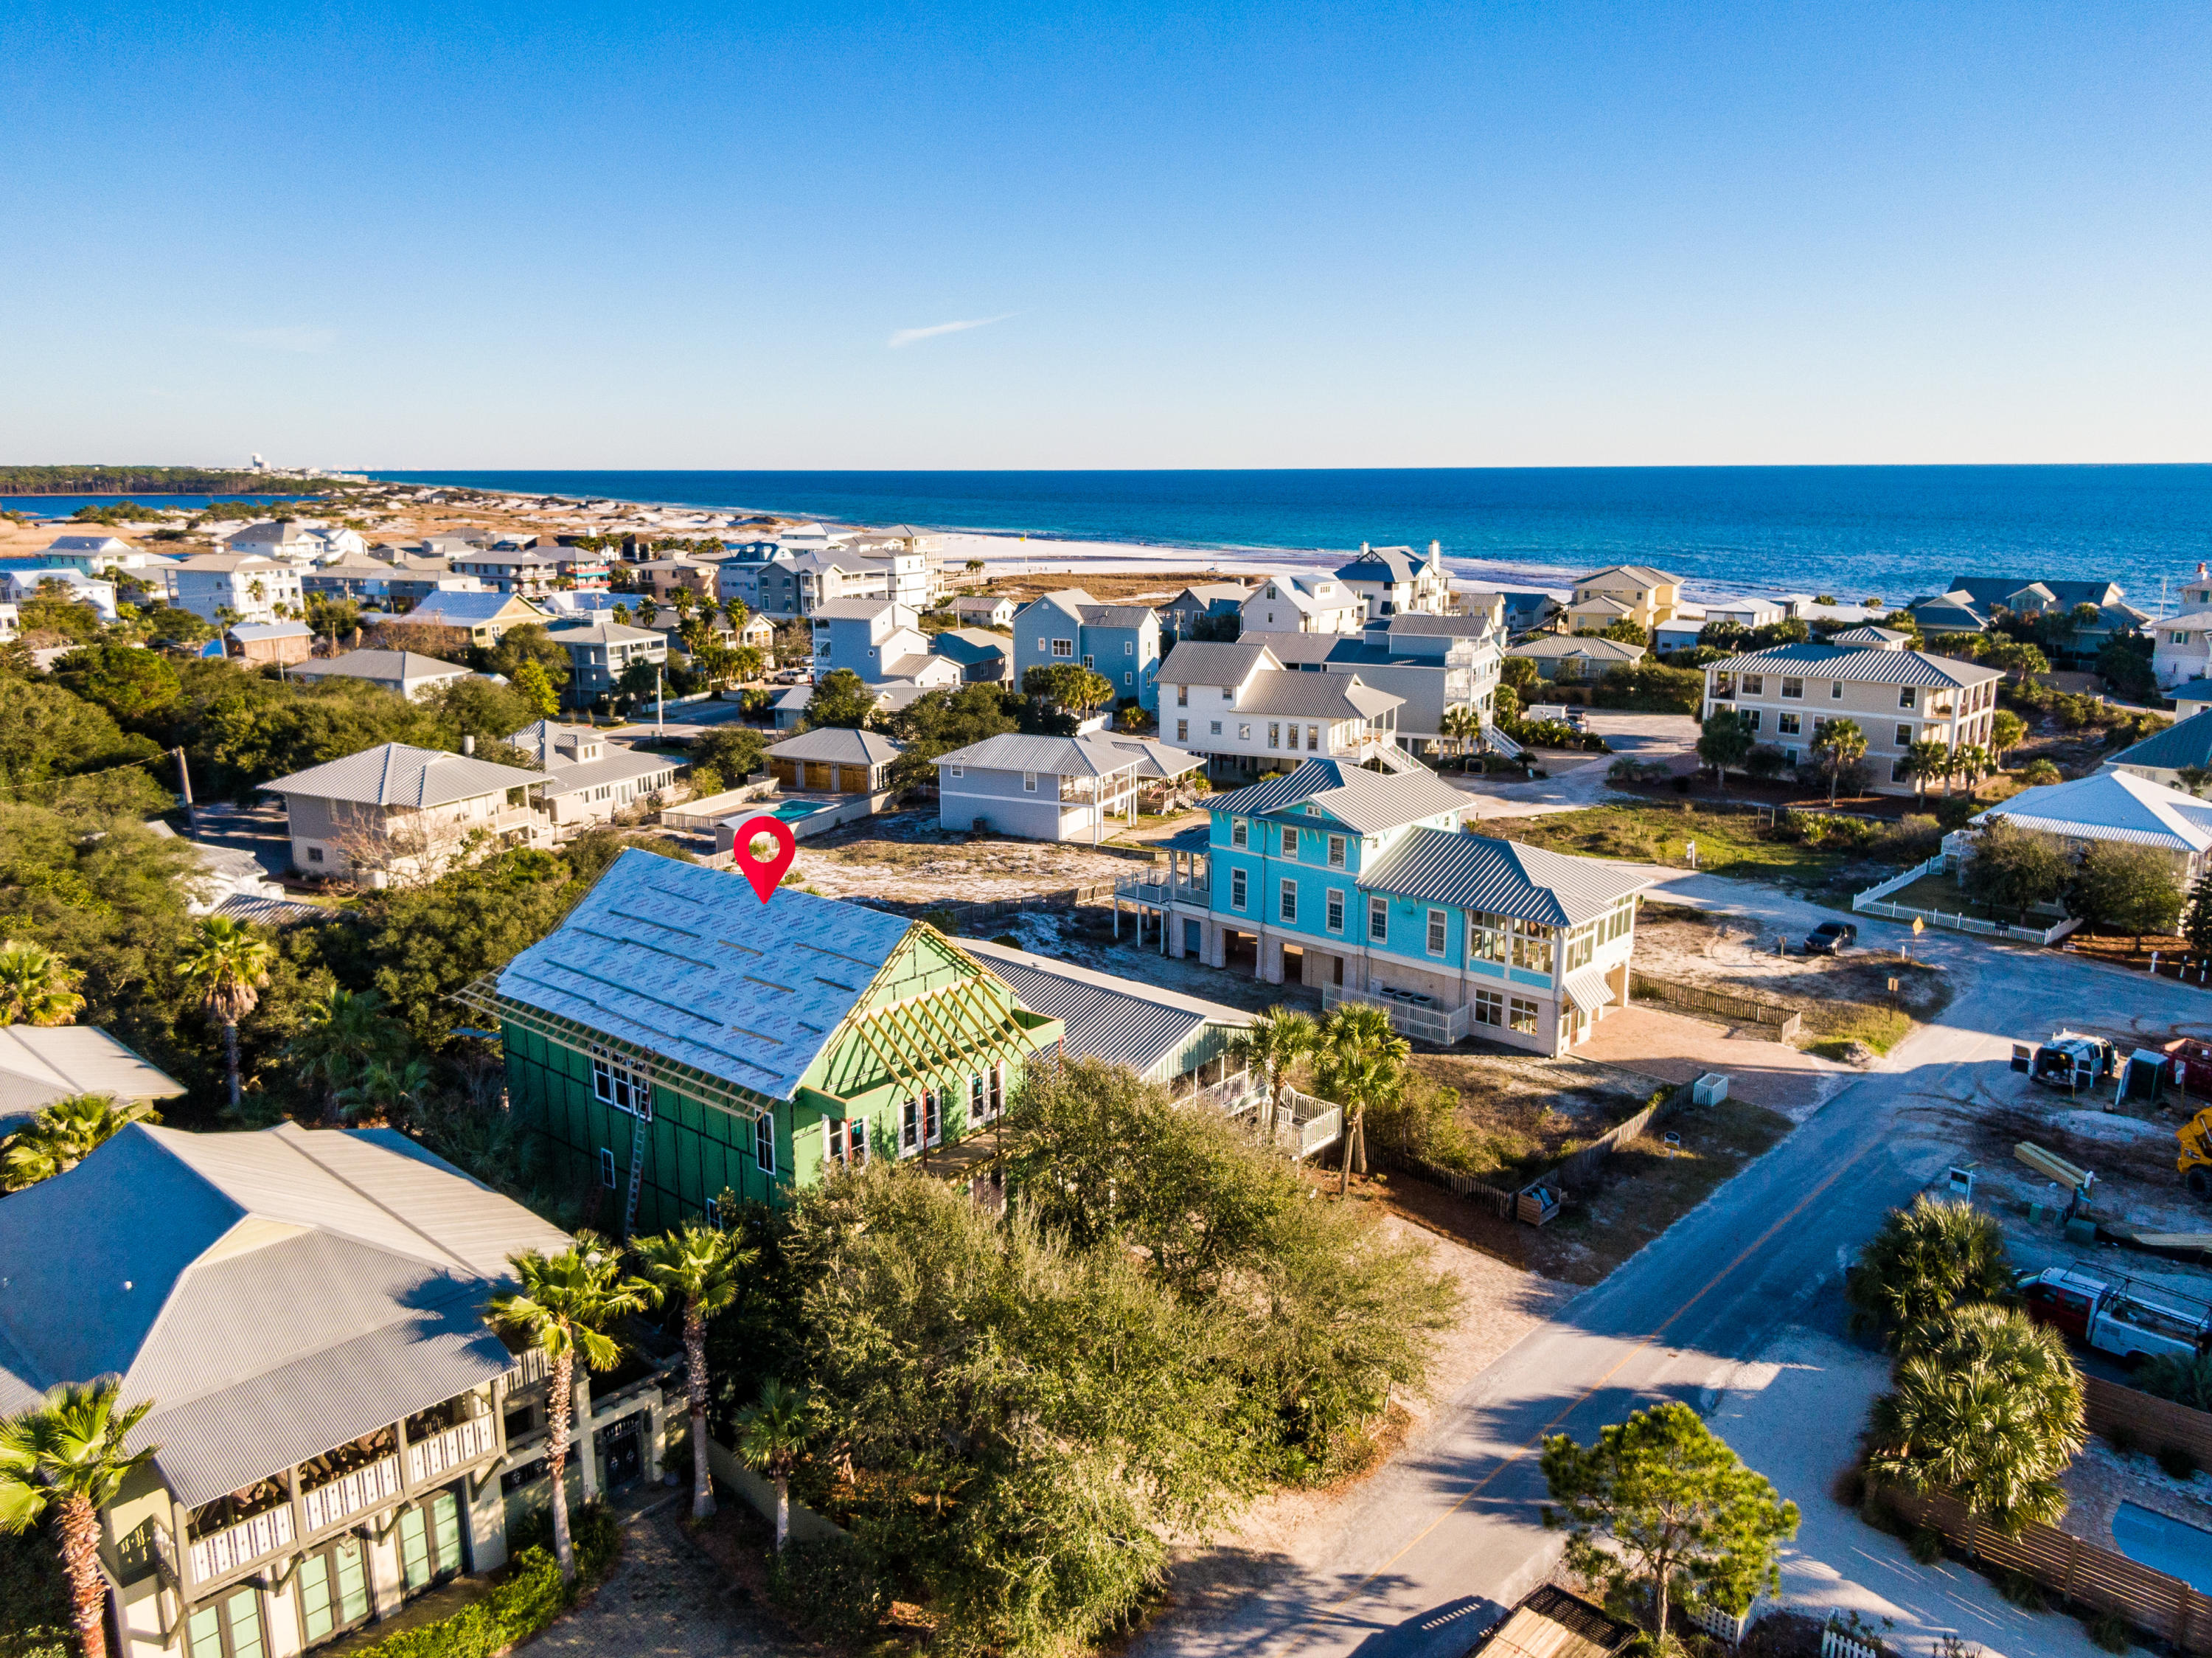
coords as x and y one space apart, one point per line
674 1038
979 654
2117 806
393 813
1575 659
403 673
1290 603
1438 666
474 618
1240 710
334 1432
984 610
600 652
1207 609
268 643
1633 593
1363 883
2179 757
2181 647
590 778
879 641
1120 643
1397 581
245 587
833 760
1048 788
1897 697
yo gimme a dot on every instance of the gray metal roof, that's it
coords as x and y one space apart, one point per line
1597 650
2187 742
1128 616
1870 636
1208 662
1122 1021
1914 667
453 609
1457 627
1384 564
41 1063
271 912
400 666
1294 649
2117 806
603 633
255 630
1155 759
1365 802
1092 756
621 764
835 743
1315 696
1643 573
393 774
851 609
686 961
274 1294
1501 877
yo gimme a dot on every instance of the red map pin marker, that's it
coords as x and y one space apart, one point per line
763 875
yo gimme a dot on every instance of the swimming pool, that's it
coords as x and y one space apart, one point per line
2172 1546
790 811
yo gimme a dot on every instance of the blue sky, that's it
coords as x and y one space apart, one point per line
549 235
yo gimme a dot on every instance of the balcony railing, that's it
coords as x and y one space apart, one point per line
1423 1020
233 1546
456 1447
1231 1096
1143 890
351 1494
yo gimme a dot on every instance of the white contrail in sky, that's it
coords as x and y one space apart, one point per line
908 335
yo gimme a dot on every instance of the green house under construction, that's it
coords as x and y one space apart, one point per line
676 1037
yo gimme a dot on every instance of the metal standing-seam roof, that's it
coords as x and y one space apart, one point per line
1210 662
274 1294
686 962
401 667
1501 877
1365 802
2117 806
1315 696
394 774
835 744
1122 1021
1914 667
453 609
41 1063
1092 756
2186 742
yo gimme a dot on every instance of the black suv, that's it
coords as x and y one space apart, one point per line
1830 938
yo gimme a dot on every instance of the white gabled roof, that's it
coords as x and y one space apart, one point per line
2118 806
395 775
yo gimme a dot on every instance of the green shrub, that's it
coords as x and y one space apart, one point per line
524 1602
2176 1463
831 1586
2021 1590
2185 1381
591 1528
2109 1630
2121 1439
1926 1545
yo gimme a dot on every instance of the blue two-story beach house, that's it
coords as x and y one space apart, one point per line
1363 883
1122 642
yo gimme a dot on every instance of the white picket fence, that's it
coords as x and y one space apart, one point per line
1834 1643
1869 903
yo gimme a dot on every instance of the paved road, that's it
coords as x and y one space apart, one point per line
1449 1533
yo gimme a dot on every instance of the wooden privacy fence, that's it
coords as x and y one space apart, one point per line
1577 1172
2081 1572
1776 1020
2154 1423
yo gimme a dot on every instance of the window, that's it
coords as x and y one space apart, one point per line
1489 1007
1313 737
1905 696
1897 771
1088 661
1336 851
314 855
1378 919
1793 687
1028 782
1488 938
1216 729
332 1586
1787 724
1755 715
1229 693
1334 909
1182 730
2180 638
1532 948
1524 1015
1287 901
622 1087
1240 832
1436 932
1275 734
1182 695
1128 647
228 1628
1243 734
764 1144
1063 647
429 1541
1835 688
1128 679
606 1168
957 770
1903 736
922 1123
1237 889
1580 945
1754 684
845 1142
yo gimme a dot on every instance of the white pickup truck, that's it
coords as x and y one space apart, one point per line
2115 1318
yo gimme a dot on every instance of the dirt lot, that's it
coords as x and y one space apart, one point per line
1844 1000
1154 586
904 857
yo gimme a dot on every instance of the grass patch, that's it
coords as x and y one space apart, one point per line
1836 1025
1801 849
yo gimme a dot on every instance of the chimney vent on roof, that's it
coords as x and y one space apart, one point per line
469 743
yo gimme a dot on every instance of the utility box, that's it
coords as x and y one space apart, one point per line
2143 1074
1710 1089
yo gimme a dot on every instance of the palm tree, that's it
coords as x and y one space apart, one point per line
1924 1261
1362 1063
563 1309
1923 760
1274 1042
1973 762
64 1135
69 1454
1989 1412
701 1265
772 1437
37 987
229 964
735 609
343 1031
387 1089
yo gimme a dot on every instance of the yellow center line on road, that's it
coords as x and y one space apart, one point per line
1635 1347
